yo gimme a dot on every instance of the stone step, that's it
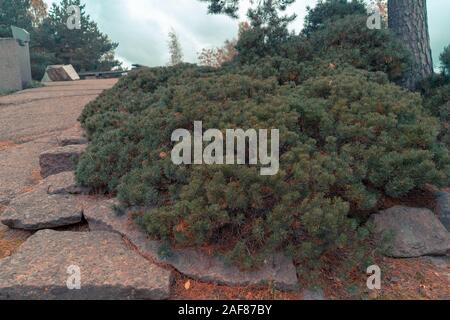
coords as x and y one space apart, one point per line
51 204
60 159
63 183
53 265
69 140
38 210
278 270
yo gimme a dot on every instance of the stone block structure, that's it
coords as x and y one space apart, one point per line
10 72
15 66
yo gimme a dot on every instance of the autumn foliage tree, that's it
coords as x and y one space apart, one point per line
14 13
216 57
38 11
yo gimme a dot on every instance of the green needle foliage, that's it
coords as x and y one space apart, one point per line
348 138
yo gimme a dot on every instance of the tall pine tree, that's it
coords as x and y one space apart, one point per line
87 49
409 21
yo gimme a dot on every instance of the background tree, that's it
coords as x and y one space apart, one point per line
333 9
445 61
14 13
267 34
175 50
38 11
29 15
409 21
231 7
216 57
86 49
381 6
52 42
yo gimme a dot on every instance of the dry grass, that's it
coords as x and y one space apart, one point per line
35 177
8 244
403 279
188 289
416 279
6 145
7 247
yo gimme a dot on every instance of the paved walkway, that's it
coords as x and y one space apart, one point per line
30 121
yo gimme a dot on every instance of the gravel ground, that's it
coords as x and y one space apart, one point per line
56 107
30 122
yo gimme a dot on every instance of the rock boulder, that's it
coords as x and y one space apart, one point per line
412 232
63 183
38 210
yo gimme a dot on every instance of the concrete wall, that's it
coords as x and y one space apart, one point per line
10 70
25 63
15 66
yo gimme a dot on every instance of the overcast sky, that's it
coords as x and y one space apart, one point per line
141 26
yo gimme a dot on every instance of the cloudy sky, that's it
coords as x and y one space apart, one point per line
141 26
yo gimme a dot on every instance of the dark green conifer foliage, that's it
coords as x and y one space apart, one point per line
348 136
328 10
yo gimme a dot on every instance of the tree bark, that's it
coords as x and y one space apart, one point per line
408 19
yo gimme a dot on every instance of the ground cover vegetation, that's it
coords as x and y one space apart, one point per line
349 137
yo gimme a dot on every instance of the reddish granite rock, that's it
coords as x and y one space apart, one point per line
60 159
63 183
109 269
38 210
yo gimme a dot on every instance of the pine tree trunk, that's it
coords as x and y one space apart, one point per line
408 19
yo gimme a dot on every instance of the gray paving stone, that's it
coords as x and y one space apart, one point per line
416 232
109 269
38 210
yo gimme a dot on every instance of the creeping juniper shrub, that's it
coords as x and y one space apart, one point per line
346 140
348 40
348 137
